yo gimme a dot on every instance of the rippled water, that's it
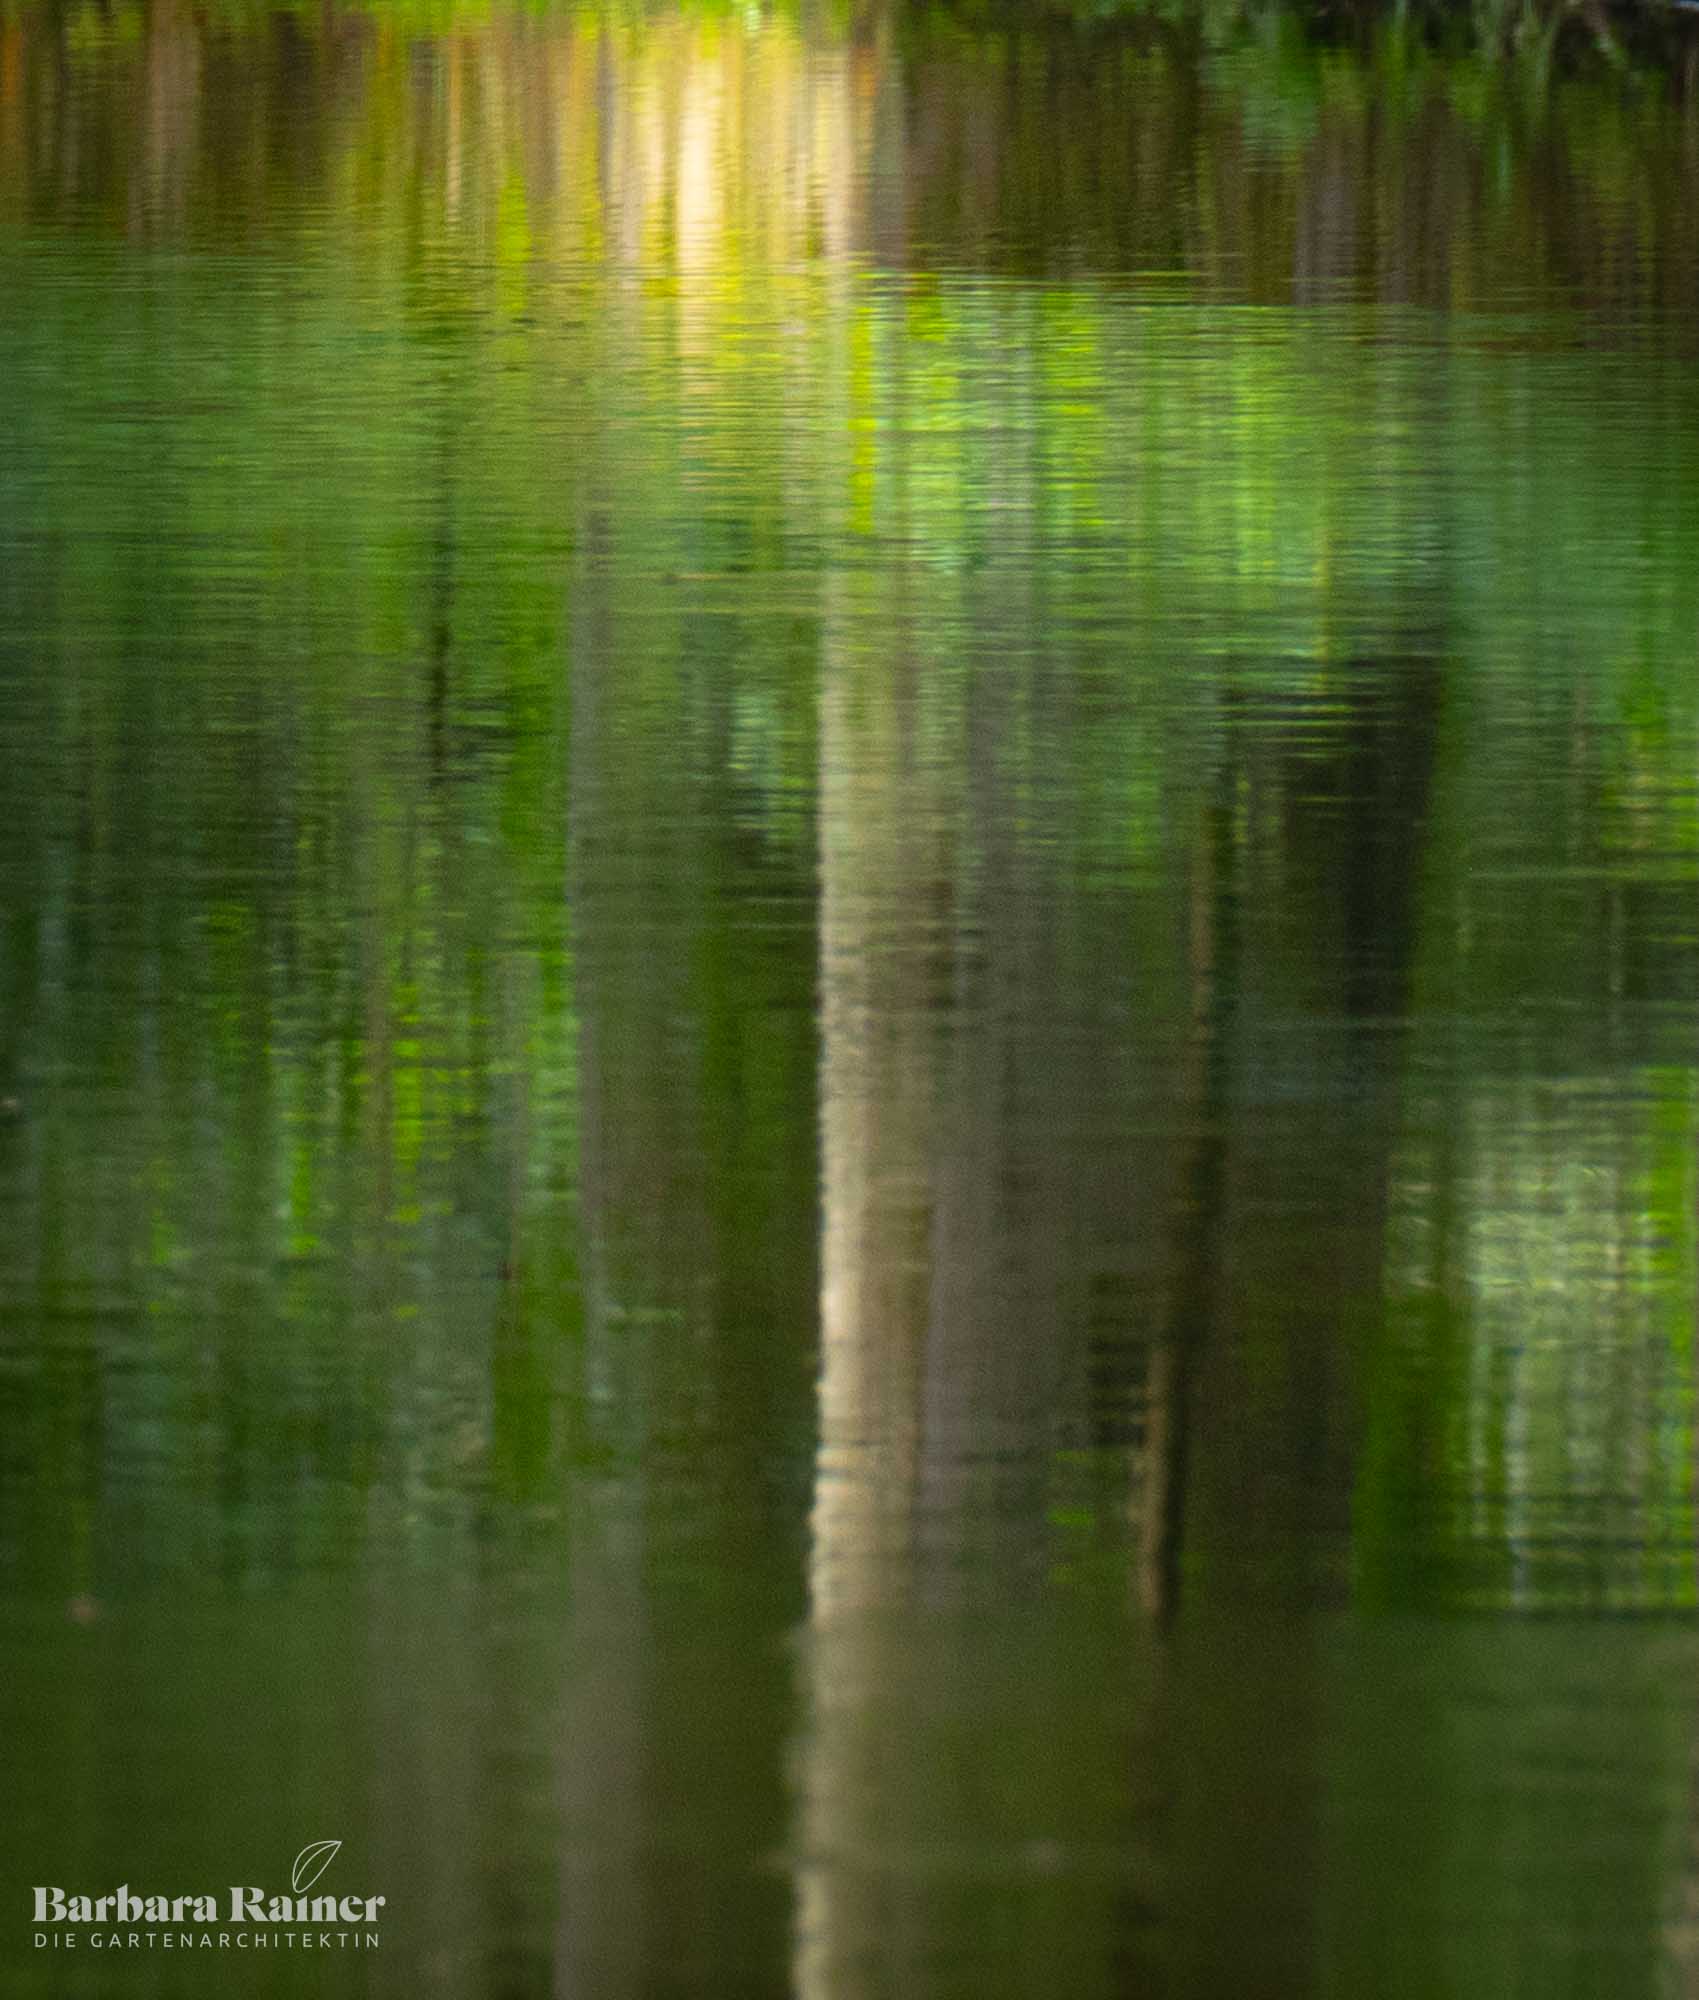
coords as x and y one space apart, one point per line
848 1082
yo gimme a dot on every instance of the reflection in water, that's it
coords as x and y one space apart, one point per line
847 1111
697 1189
969 1092
717 144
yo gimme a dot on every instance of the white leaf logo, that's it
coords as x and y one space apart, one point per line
311 1863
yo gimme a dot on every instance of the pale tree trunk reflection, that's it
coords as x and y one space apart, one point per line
962 1231
881 964
883 958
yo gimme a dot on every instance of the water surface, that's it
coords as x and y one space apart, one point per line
847 1002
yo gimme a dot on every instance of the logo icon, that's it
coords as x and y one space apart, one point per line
311 1863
